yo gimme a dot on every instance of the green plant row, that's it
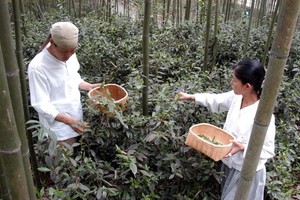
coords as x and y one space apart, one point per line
131 156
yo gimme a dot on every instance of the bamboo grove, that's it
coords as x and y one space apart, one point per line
18 169
173 12
163 11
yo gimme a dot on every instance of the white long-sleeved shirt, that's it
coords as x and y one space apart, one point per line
239 123
54 88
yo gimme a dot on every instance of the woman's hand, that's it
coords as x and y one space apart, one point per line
185 96
236 147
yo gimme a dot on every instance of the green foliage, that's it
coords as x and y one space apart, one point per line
131 156
146 160
285 170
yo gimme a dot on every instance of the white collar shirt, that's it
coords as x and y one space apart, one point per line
239 123
54 88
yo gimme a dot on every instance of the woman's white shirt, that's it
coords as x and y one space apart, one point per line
239 123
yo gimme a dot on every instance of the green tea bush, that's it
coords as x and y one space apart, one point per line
284 168
131 156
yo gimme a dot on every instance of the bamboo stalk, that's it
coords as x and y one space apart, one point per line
267 45
10 145
17 22
249 28
207 34
13 80
146 28
215 44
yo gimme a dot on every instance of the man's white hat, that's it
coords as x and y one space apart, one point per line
64 34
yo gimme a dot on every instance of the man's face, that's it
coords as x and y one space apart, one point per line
63 54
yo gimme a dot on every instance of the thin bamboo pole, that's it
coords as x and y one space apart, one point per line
177 12
22 10
164 12
180 10
267 45
173 11
147 13
187 10
215 45
249 28
79 8
207 34
168 11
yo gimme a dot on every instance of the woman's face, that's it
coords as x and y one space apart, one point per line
237 85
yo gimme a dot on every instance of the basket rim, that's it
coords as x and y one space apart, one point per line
210 143
110 84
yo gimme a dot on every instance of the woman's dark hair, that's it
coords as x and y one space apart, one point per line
252 72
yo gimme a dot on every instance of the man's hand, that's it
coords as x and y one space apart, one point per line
88 86
80 127
77 125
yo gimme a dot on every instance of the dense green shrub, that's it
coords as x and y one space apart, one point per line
131 156
284 172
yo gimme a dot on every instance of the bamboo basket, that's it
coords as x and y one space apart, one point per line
214 151
112 92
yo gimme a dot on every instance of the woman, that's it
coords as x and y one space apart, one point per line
241 104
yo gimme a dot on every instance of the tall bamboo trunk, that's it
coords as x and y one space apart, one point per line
233 16
79 8
10 145
180 10
116 6
22 10
228 10
274 17
128 9
13 80
177 12
164 12
173 12
249 28
263 13
17 22
187 10
155 12
146 28
168 11
288 14
215 44
207 34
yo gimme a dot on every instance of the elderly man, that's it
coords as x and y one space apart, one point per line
55 84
